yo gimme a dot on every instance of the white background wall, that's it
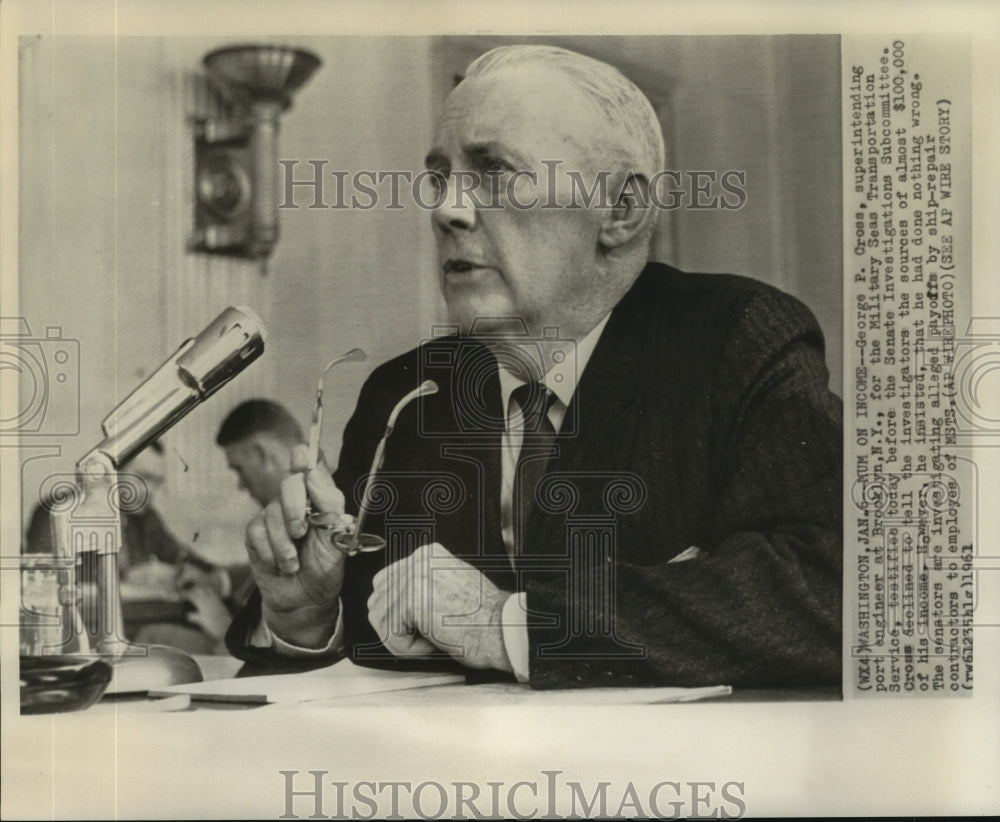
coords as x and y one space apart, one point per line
106 165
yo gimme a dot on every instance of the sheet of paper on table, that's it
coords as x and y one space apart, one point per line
343 678
521 695
648 696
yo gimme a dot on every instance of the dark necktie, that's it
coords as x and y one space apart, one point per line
537 447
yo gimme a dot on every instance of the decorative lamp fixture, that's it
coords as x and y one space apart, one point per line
236 159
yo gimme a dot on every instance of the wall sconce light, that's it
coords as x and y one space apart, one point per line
236 159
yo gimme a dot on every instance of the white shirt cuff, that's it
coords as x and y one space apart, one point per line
514 621
264 637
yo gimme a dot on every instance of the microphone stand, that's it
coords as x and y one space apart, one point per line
104 534
199 368
135 667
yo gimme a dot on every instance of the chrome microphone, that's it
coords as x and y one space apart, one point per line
199 368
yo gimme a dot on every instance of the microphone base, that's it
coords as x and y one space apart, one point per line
162 666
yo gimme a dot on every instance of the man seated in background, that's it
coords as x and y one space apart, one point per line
258 437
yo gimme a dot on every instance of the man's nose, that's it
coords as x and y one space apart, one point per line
457 207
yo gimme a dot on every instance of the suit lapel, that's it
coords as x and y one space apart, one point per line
597 419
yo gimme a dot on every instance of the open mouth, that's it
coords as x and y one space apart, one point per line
459 266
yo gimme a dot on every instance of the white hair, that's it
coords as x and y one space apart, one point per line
630 115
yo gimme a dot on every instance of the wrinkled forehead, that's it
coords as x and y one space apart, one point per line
537 109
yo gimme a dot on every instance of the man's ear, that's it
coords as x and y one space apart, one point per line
628 214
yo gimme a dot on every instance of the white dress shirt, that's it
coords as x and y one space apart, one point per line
561 380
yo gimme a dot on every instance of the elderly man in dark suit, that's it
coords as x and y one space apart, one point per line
628 476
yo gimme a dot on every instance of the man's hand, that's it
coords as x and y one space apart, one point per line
297 569
432 600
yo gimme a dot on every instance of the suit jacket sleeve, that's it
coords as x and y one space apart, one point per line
760 603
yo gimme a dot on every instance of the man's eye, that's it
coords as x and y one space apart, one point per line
493 166
433 185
